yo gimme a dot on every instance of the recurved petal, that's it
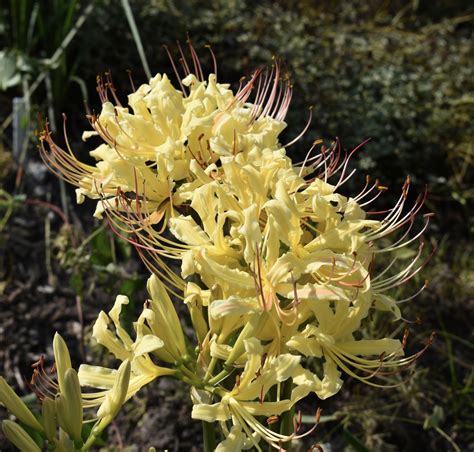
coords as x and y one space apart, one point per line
234 305
235 440
211 412
367 347
96 376
147 344
109 340
187 230
307 346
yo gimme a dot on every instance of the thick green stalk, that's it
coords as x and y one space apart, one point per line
286 419
209 436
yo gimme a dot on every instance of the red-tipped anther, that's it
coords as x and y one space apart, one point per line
318 415
272 420
42 382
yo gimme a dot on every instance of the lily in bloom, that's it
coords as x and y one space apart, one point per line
158 332
278 269
165 144
241 406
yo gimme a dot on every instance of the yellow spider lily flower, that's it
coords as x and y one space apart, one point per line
120 344
115 397
333 339
247 400
276 255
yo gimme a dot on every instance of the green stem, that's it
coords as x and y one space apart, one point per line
448 438
89 443
210 369
209 436
217 378
186 371
286 419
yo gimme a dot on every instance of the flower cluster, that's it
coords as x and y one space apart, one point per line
276 265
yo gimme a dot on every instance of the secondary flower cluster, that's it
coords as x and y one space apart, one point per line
276 265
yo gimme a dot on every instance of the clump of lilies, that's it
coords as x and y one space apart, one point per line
275 267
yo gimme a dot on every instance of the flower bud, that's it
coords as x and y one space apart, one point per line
62 359
69 406
17 435
16 406
60 406
49 418
167 327
197 319
115 398
73 400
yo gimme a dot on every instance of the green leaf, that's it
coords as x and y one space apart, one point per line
9 75
434 419
356 444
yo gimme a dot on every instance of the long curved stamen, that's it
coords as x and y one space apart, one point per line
400 243
183 60
178 76
411 297
63 164
342 178
400 276
381 189
302 164
195 58
42 382
214 61
305 129
261 95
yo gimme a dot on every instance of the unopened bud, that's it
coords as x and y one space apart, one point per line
73 399
62 359
16 406
60 406
199 324
166 317
49 418
17 435
115 398
66 417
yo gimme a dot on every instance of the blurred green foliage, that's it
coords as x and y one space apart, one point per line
32 31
